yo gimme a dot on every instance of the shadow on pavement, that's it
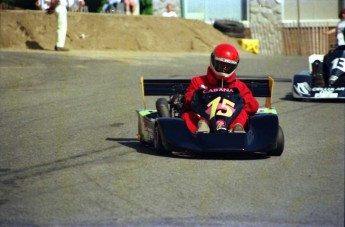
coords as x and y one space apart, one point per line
148 150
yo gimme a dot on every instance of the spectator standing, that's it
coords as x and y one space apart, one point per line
340 30
42 5
109 6
130 6
169 11
59 7
79 6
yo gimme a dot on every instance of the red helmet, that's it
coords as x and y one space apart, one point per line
224 60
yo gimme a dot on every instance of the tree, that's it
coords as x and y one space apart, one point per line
146 7
95 5
24 4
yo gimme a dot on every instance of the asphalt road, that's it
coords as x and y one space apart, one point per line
69 154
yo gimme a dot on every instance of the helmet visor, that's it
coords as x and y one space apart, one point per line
224 67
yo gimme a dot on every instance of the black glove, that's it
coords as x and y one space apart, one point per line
177 101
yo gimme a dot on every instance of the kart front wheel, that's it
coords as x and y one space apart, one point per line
157 141
279 144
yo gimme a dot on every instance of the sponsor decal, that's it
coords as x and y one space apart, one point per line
329 89
226 60
220 124
220 108
302 88
339 63
326 94
218 90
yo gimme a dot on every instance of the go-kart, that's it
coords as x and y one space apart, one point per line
164 129
306 84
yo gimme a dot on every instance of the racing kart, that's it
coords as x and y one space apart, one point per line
164 129
331 72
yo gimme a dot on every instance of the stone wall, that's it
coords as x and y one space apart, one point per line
265 25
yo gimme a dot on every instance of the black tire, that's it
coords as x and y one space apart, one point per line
280 144
229 26
162 107
157 141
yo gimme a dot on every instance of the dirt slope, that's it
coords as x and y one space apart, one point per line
36 30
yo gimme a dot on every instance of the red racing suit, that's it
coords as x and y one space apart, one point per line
210 81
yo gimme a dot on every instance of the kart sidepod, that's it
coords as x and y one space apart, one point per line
303 84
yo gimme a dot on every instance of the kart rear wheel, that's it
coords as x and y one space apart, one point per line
280 144
162 106
157 141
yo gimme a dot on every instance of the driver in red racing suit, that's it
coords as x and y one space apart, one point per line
220 73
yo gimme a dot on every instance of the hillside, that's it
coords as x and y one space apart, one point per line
36 30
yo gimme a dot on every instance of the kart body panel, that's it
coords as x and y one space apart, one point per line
333 65
260 138
303 88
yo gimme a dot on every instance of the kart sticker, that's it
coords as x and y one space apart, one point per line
220 124
328 89
218 105
326 94
339 63
224 108
302 88
265 110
